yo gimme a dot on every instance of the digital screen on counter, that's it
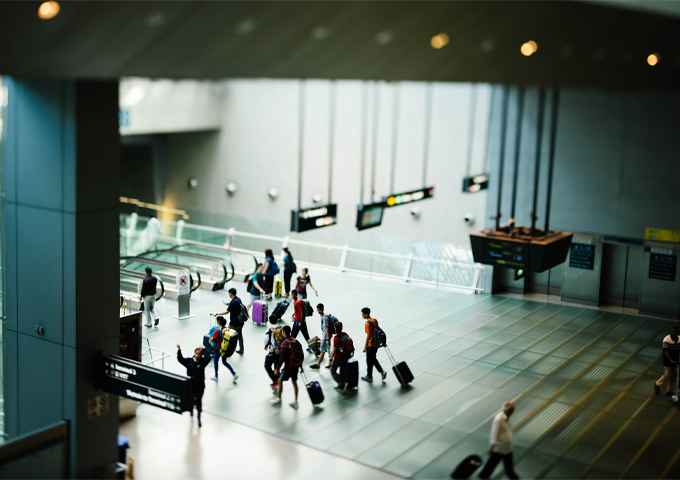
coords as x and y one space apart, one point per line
506 254
662 266
582 256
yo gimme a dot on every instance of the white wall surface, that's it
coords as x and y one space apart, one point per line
257 147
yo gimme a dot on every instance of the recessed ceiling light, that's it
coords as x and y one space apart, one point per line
246 26
653 59
155 18
48 10
320 32
488 45
439 41
384 37
529 48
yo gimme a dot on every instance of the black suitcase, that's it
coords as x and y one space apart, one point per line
401 370
206 343
352 373
280 309
467 467
314 391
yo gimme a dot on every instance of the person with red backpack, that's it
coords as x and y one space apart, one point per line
290 363
371 346
343 349
215 342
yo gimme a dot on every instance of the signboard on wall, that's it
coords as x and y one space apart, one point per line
662 265
312 218
662 235
582 256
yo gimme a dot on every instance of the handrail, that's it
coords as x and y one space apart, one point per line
135 274
151 261
197 256
215 248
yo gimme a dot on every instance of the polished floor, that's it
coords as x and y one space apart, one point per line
581 380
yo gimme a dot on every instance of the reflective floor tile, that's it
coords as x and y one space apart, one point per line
596 375
564 432
618 455
600 399
524 310
564 468
548 387
456 405
590 442
531 431
443 466
523 342
546 365
473 372
451 367
504 307
571 369
523 360
395 445
574 393
477 351
584 319
563 316
523 381
627 405
498 377
429 399
620 380
370 436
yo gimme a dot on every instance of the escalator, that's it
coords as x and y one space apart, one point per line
243 264
215 273
166 271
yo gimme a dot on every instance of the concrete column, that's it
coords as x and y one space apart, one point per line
62 184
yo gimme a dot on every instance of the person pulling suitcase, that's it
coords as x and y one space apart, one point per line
371 347
343 350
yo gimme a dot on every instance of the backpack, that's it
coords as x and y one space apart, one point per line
214 336
249 287
277 333
274 268
229 341
330 323
297 355
379 336
346 346
307 308
243 316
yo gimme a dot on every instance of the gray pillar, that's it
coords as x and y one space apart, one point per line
62 182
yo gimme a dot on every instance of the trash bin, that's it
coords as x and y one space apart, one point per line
123 445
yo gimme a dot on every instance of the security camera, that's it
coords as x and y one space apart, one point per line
415 211
469 218
273 193
192 183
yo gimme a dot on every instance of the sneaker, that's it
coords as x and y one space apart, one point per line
314 367
384 375
240 352
340 388
656 388
148 326
235 377
156 322
276 401
294 405
367 379
214 378
309 350
328 366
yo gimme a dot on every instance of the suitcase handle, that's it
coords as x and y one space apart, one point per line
390 356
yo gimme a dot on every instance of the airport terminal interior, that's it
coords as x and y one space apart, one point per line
484 194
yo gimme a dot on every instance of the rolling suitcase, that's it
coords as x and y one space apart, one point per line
314 391
352 373
401 370
315 344
280 309
278 286
467 467
206 343
260 312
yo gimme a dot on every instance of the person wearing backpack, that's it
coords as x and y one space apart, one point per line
343 350
299 320
327 329
272 344
290 363
196 371
289 268
256 285
235 310
371 347
215 342
270 270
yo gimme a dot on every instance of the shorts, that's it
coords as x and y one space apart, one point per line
289 374
254 297
324 345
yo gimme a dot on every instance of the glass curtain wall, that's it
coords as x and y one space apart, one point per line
3 129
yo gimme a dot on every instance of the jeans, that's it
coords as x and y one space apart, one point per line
339 363
149 303
300 327
494 460
216 362
372 361
270 363
239 330
671 376
287 275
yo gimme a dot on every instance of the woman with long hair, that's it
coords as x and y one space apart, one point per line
270 270
289 268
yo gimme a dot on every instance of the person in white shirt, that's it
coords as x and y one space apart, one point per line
501 443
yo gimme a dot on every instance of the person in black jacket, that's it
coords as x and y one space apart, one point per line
149 297
196 370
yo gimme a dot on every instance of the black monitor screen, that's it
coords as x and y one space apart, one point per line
369 216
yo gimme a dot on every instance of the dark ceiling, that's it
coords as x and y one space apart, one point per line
578 43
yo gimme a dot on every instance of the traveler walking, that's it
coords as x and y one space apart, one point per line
196 371
270 269
501 443
289 268
216 341
301 284
371 347
343 349
671 355
299 321
256 285
148 295
290 363
272 343
235 318
327 331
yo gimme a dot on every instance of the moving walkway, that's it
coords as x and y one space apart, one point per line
215 272
166 271
131 288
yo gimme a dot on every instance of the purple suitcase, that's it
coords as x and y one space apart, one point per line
260 312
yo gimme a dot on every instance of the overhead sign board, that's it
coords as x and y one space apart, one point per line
312 218
136 381
397 199
370 215
476 183
662 235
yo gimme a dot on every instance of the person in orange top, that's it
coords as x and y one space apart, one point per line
370 349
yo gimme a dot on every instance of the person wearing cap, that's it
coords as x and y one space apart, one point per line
148 295
501 443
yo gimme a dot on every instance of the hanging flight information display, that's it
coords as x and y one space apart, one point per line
397 199
370 215
662 266
312 218
582 256
506 254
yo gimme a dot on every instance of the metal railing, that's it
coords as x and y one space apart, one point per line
144 234
149 349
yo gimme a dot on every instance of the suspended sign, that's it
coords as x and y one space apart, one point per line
409 197
476 183
312 218
137 381
370 215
